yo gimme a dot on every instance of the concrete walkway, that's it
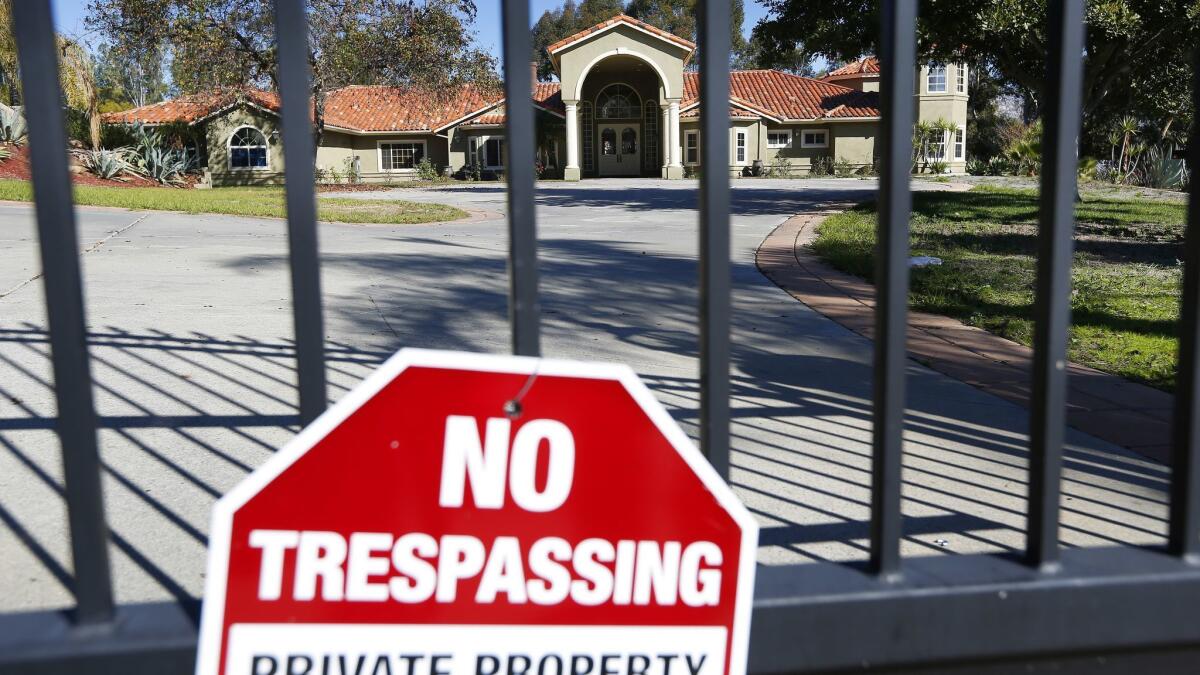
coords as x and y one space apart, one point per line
1112 408
192 355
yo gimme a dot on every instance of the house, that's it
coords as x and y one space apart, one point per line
625 104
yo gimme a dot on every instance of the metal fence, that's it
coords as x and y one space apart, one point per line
1081 609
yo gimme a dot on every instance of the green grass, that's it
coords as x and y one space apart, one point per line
1125 279
245 201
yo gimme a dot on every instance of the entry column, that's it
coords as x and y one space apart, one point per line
667 139
571 171
675 168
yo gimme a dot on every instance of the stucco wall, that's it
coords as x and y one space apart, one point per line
218 132
665 56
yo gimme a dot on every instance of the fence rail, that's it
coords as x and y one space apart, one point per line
1129 607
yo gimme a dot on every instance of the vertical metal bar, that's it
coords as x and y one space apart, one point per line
1052 305
898 59
291 30
714 43
1184 538
59 246
522 217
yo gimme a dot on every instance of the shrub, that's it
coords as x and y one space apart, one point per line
938 167
12 126
472 171
1026 151
843 168
335 176
1001 166
427 170
320 174
977 167
107 164
351 170
822 165
1087 168
778 168
5 153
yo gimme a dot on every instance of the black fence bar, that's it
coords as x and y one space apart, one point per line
1184 537
898 46
522 214
1052 305
714 42
291 30
59 246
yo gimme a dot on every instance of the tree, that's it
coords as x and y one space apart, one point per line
129 76
567 20
758 55
1127 44
680 16
423 44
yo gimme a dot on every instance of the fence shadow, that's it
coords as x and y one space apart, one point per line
186 415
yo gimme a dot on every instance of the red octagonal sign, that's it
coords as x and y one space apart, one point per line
461 514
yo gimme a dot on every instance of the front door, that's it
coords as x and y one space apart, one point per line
619 147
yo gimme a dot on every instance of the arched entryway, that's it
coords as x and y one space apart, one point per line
621 113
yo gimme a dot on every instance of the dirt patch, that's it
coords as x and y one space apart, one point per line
17 167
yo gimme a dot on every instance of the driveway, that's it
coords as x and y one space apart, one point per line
192 354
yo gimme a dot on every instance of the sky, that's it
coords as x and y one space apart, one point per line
69 14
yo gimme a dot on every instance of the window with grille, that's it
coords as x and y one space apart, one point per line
959 143
617 102
739 147
691 147
961 78
400 156
779 139
493 153
650 137
248 149
814 139
587 128
937 78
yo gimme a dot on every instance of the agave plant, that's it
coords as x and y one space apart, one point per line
12 126
107 164
167 165
1160 170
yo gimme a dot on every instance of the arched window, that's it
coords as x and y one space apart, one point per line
618 102
608 141
248 149
628 141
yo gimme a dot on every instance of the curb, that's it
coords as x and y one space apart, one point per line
1131 415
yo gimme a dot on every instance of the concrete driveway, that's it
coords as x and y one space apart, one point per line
192 355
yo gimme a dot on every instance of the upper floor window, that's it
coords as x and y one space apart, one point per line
248 149
962 78
618 101
937 78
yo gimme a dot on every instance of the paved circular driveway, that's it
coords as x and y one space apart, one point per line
192 354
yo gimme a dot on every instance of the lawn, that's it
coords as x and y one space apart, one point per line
1125 280
245 201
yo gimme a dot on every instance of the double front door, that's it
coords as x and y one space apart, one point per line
620 145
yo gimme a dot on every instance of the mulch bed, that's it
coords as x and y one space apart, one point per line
17 167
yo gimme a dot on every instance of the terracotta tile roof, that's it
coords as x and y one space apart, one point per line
789 97
868 65
192 107
381 108
734 113
625 19
546 95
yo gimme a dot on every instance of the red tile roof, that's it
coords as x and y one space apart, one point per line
382 108
193 107
789 97
768 93
627 20
868 65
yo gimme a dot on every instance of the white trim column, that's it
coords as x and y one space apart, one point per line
675 168
667 139
571 171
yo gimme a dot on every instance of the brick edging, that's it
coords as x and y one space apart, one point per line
1106 406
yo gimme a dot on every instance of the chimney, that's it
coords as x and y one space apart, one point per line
533 65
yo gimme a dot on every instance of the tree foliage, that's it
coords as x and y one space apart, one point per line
130 76
1132 45
419 43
